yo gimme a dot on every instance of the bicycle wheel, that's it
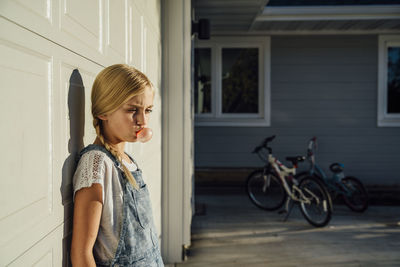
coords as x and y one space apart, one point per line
355 195
315 204
265 191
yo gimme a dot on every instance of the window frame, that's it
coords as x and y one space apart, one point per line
384 119
217 117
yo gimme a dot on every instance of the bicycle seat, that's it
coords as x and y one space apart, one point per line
336 167
296 159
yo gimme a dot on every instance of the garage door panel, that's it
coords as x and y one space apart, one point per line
144 46
75 24
77 11
96 29
77 81
153 56
75 127
47 252
116 25
38 15
77 130
27 194
82 21
26 100
40 8
37 81
135 36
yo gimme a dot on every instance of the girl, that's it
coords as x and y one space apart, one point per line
113 224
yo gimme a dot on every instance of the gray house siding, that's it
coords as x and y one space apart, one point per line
324 86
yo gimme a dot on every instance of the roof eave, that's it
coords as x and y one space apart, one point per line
311 13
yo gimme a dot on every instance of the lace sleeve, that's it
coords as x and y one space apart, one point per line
90 170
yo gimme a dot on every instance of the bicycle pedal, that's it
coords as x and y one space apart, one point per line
284 211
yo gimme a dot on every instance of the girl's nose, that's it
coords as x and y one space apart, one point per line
141 119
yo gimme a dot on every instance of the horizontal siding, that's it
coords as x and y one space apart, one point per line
324 86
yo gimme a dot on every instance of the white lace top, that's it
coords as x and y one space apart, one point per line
96 167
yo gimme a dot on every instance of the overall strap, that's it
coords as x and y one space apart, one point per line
133 160
136 174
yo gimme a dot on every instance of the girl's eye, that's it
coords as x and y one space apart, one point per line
132 110
149 110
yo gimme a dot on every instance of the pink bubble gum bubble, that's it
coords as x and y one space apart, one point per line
144 135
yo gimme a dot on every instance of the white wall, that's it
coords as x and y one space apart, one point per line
46 111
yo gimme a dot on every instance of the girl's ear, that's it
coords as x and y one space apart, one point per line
102 117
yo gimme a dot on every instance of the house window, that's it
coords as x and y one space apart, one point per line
239 80
232 81
389 81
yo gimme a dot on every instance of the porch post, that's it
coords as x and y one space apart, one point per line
177 158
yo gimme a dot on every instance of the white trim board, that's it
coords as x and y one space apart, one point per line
329 13
383 118
177 160
305 32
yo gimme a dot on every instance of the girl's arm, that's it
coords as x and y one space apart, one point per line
87 212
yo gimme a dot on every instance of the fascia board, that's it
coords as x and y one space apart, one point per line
329 13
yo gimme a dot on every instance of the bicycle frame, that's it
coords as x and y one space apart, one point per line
331 182
282 171
316 170
270 187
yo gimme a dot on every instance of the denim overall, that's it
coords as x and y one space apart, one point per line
138 244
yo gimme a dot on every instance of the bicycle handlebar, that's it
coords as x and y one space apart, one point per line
264 144
268 139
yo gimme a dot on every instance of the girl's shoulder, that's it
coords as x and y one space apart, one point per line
94 166
94 149
94 157
94 161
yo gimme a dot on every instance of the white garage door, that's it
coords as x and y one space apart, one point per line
50 54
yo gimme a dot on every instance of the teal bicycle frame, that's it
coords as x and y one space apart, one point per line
334 183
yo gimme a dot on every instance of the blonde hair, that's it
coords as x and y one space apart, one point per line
112 88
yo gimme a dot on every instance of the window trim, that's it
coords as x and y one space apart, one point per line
209 115
384 119
216 117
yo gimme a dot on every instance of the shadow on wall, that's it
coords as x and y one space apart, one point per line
76 112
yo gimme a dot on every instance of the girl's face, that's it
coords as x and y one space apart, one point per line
123 124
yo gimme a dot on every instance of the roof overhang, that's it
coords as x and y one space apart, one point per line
229 15
252 17
312 13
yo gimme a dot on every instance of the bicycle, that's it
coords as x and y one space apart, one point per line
351 189
269 187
